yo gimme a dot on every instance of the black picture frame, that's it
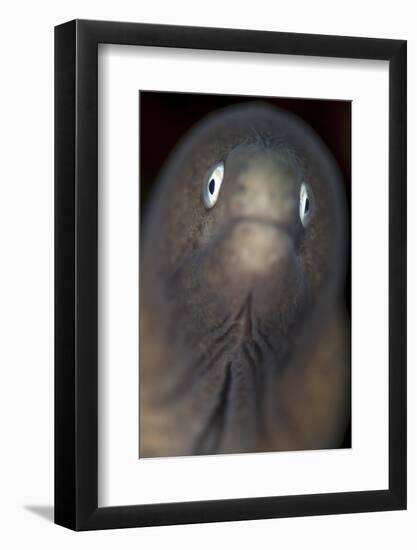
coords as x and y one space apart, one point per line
76 272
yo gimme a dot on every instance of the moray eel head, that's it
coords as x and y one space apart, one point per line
241 249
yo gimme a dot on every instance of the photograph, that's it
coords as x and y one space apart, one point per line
209 259
230 275
244 274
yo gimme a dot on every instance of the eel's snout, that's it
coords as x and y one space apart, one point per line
261 194
262 185
256 228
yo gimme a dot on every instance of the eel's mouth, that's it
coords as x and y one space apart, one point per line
258 222
251 246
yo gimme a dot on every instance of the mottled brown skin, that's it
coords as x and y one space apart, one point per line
243 333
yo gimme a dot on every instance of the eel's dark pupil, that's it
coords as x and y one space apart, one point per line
212 185
306 206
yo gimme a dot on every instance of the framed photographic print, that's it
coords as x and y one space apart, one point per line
230 275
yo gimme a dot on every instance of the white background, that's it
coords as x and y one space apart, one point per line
123 479
26 289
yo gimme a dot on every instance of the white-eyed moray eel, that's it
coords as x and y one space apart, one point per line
244 333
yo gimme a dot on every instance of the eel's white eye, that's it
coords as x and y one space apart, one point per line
212 184
306 204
